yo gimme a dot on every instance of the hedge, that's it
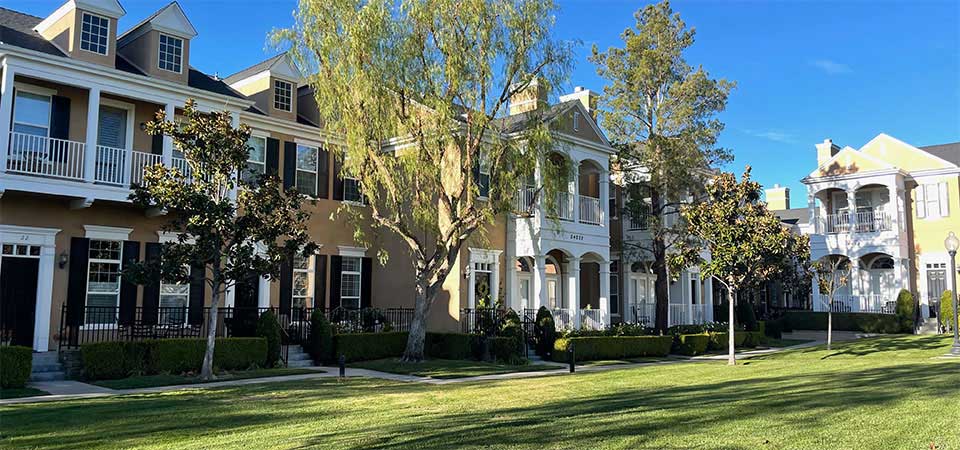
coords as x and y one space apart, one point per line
16 363
111 360
545 331
366 346
869 323
268 327
612 347
946 310
321 337
450 345
691 344
718 341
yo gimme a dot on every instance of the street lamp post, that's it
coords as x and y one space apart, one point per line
952 243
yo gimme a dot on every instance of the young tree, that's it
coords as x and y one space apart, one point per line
232 239
417 89
661 115
833 273
747 244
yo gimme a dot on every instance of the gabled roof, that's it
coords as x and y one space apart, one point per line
17 29
903 155
947 152
252 70
516 122
169 19
848 161
281 66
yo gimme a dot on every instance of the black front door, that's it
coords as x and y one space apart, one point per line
245 313
18 299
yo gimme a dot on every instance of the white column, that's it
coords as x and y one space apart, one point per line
230 297
573 288
708 297
6 113
539 281
604 291
167 154
235 123
510 281
574 189
263 293
852 207
471 286
604 201
495 284
856 284
41 328
93 122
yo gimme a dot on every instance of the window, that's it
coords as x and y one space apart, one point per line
302 282
103 282
95 33
351 189
483 175
282 95
31 123
615 287
256 159
350 282
174 298
307 170
932 200
171 53
576 121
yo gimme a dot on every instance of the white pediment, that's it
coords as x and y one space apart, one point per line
286 69
110 8
173 21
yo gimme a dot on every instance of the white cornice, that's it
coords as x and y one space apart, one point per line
287 126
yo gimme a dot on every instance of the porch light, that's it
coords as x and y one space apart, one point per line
62 262
952 243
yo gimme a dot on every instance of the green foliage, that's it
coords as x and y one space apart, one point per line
507 349
946 310
15 366
691 344
718 340
612 347
773 328
112 360
366 346
869 323
746 316
321 337
268 327
450 345
905 311
751 339
545 332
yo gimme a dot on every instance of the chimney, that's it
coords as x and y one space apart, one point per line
586 96
778 198
825 151
530 98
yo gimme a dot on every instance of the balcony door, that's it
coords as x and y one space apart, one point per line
112 127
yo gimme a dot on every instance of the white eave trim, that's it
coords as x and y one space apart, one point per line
107 233
267 123
854 176
355 252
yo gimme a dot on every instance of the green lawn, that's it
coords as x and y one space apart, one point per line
882 393
21 392
781 343
447 368
146 381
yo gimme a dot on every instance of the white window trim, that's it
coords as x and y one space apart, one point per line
310 272
276 96
106 50
131 110
104 233
264 162
358 252
160 304
359 274
576 121
297 170
86 296
484 171
183 43
37 92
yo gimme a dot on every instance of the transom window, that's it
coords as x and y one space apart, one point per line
256 159
95 33
302 281
350 282
171 53
282 95
306 170
21 250
103 282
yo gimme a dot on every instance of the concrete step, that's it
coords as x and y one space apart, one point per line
929 326
300 363
298 356
56 367
47 376
46 358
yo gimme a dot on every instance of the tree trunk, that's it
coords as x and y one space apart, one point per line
731 351
661 284
830 324
206 370
418 327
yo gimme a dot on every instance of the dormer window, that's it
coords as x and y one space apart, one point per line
95 33
171 53
282 95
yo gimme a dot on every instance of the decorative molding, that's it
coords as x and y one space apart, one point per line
481 255
16 234
357 252
107 233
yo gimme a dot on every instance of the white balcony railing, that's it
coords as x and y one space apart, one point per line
111 165
40 155
591 319
524 204
139 161
637 221
687 314
590 211
184 167
562 319
865 220
870 303
563 208
641 313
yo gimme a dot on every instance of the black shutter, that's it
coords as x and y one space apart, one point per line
289 164
286 285
337 177
128 289
77 284
156 144
273 156
320 281
323 173
336 262
151 291
366 278
60 117
198 293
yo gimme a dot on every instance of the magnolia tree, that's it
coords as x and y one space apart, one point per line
661 114
833 273
746 243
231 239
417 89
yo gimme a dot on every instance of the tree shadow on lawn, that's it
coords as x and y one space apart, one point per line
907 346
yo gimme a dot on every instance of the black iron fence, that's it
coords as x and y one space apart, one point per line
481 320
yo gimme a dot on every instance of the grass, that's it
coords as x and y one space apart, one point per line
21 392
781 343
881 393
146 381
447 368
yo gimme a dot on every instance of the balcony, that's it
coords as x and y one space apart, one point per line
590 211
589 208
865 220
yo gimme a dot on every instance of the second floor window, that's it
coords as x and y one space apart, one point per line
350 282
932 200
483 175
282 95
95 33
171 53
307 170
302 281
256 159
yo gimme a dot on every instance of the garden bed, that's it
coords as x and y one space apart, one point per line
6 393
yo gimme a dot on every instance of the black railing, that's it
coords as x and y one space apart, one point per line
481 320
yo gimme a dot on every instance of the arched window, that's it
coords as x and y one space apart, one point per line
882 262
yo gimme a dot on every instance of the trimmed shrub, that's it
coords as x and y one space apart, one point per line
545 331
507 349
612 347
773 329
739 337
751 339
268 327
450 345
321 337
366 346
111 360
691 344
16 363
869 323
946 310
718 341
746 317
905 311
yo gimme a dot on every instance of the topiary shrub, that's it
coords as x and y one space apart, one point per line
905 311
691 344
545 331
321 337
367 346
773 329
751 339
866 322
946 310
268 327
16 362
511 338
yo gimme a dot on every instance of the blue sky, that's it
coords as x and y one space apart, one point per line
805 70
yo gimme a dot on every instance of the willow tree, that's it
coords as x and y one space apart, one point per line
417 90
660 113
